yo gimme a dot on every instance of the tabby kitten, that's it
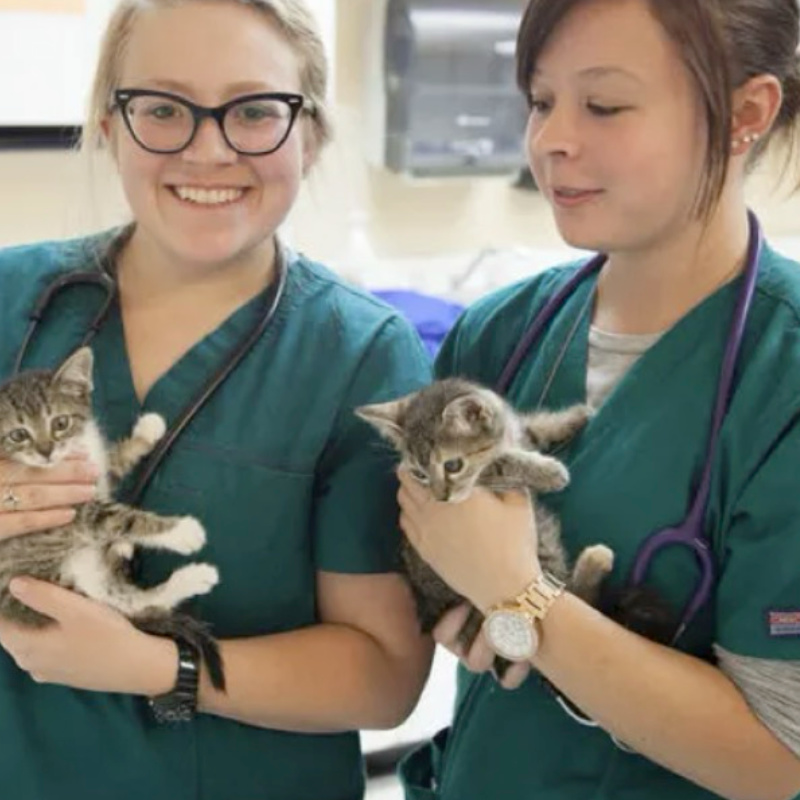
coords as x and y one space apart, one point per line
455 435
46 416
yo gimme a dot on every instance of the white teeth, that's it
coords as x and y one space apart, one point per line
208 197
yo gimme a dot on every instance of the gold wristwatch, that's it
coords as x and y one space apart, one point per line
511 627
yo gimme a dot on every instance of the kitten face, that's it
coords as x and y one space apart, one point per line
450 474
43 414
446 434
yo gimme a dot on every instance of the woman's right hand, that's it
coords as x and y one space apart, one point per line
480 657
37 498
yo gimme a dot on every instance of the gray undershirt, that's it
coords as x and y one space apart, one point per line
771 687
611 355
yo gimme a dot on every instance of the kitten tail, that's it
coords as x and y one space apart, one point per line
640 609
196 633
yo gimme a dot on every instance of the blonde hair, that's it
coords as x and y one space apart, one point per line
293 17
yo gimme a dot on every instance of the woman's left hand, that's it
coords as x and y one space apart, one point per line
479 657
89 645
484 547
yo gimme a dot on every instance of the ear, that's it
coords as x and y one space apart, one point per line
108 134
756 104
467 413
386 418
311 148
77 369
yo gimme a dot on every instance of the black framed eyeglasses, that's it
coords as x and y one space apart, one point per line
252 125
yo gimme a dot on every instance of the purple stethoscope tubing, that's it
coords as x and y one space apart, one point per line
690 532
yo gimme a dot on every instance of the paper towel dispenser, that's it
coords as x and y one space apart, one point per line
450 101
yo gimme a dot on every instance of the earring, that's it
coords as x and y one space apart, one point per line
747 139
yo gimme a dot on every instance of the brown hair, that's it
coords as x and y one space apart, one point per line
724 43
292 16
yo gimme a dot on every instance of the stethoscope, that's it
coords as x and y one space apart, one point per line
688 533
102 278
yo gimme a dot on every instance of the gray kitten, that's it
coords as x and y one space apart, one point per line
46 416
455 435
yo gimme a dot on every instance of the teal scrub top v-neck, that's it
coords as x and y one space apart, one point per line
286 480
634 469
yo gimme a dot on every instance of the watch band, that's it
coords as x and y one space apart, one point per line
539 595
180 703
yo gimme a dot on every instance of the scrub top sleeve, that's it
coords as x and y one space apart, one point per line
356 513
758 594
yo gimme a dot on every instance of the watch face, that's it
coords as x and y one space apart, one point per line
511 635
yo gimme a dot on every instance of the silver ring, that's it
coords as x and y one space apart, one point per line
9 501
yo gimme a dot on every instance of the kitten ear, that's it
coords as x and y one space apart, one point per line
467 413
386 418
77 371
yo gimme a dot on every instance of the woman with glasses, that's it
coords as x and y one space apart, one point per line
213 111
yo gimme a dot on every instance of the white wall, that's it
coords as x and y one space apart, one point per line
48 50
47 58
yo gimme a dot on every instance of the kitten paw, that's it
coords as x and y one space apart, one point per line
554 478
583 413
150 428
123 550
598 557
193 580
187 537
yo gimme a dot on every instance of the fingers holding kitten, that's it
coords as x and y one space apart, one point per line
478 656
448 630
76 469
34 499
21 522
515 675
42 496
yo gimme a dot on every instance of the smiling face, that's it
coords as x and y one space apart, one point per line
208 204
617 134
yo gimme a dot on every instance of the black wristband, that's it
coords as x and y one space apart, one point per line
180 703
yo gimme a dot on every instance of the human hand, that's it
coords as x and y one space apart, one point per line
484 548
479 657
38 498
88 646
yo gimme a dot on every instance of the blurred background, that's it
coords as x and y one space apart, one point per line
424 195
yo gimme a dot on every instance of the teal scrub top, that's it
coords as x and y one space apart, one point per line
634 469
286 480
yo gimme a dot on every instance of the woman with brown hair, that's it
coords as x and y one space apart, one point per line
684 335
